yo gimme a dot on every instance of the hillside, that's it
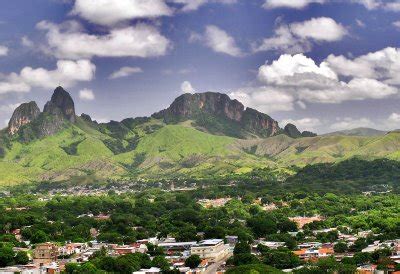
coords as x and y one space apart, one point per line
361 131
56 145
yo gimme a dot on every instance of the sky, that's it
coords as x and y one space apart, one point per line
324 65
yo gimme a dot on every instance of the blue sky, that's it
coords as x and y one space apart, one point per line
322 64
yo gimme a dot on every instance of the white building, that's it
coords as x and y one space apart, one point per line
213 250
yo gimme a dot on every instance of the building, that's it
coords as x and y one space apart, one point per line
153 270
232 240
213 250
272 245
45 253
170 247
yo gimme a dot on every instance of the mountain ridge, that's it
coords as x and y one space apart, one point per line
54 147
213 111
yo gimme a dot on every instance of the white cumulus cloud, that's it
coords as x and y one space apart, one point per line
67 73
86 94
125 72
308 123
319 29
295 4
3 50
186 87
295 80
218 40
69 41
111 12
383 65
299 37
192 5
265 98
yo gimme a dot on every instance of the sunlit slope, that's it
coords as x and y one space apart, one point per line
181 150
151 149
287 151
71 152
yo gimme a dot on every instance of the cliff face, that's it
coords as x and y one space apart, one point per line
201 106
259 123
187 106
24 114
61 103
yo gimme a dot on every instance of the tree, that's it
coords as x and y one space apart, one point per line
241 247
71 268
88 268
340 247
243 259
253 269
281 259
359 244
161 262
6 256
39 237
21 257
263 225
327 265
193 261
362 257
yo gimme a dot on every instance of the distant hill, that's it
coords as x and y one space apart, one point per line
199 135
361 131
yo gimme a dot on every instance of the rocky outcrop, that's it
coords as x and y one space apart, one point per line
292 131
57 113
259 123
199 105
188 106
61 103
24 114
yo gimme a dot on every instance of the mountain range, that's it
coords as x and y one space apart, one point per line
202 134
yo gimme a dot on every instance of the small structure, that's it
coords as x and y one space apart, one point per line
45 253
213 250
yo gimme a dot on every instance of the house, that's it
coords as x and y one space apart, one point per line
176 246
72 248
45 253
367 269
272 245
232 240
123 249
213 250
152 270
51 268
308 254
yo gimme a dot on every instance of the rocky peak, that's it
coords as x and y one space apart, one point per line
292 131
61 103
24 114
189 105
193 106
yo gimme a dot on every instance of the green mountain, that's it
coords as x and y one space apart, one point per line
199 135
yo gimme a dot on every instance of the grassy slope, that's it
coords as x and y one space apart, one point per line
41 158
177 150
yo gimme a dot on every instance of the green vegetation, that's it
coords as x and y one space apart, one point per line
178 214
147 148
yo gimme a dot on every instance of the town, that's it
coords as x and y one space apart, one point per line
306 245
